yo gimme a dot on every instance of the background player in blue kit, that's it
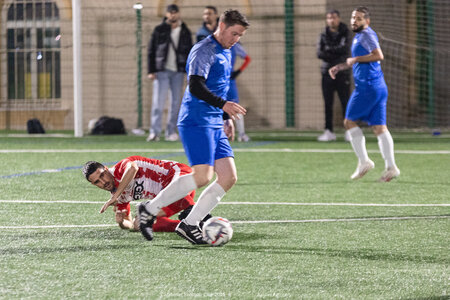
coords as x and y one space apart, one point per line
233 95
200 124
368 101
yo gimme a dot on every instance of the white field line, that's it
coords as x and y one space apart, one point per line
255 134
243 150
251 203
246 222
57 226
342 220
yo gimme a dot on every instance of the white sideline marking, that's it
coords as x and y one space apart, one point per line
341 220
57 226
243 150
255 203
245 222
337 204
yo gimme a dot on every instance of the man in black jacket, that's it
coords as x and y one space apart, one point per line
333 48
168 50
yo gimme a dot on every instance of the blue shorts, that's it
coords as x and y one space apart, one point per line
368 103
204 145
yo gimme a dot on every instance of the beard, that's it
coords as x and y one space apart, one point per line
357 29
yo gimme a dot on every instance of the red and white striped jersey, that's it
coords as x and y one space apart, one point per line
153 176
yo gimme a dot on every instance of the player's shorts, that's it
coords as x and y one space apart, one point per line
233 94
368 103
170 210
204 145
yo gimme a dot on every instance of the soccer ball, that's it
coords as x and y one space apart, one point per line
217 231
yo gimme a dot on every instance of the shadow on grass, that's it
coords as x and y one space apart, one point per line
367 254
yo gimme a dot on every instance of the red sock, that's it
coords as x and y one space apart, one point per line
164 224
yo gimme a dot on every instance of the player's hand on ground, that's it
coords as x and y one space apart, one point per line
234 109
228 127
107 204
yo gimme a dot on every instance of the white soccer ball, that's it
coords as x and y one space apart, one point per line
217 231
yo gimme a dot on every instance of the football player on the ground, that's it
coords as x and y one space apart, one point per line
135 178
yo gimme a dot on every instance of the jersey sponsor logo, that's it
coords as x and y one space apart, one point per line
138 190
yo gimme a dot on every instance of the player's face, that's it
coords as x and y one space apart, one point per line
333 21
103 179
228 36
358 21
209 17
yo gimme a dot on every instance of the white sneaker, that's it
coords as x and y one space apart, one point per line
347 136
152 137
327 136
362 169
138 131
243 138
389 174
172 138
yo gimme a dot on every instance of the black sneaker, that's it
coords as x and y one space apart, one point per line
182 215
146 221
191 233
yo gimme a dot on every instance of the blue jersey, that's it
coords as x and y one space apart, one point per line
211 61
364 43
236 50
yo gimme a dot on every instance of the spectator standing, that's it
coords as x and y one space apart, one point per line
333 48
210 21
168 50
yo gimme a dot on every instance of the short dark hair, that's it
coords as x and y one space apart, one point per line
90 167
364 10
172 8
333 11
233 17
213 8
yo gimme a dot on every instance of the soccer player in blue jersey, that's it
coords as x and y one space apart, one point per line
200 124
368 100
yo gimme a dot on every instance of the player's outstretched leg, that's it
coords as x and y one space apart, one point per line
191 233
146 221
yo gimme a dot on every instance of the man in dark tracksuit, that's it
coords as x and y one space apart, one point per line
333 48
168 50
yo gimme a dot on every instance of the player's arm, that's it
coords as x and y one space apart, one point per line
375 55
130 172
244 65
198 88
338 68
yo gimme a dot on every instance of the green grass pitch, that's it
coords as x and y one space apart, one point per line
302 228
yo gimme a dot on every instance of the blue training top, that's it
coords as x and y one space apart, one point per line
213 62
236 50
364 43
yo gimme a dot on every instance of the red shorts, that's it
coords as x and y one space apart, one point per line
170 210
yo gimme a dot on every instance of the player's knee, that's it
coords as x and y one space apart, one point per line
233 179
202 179
349 124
